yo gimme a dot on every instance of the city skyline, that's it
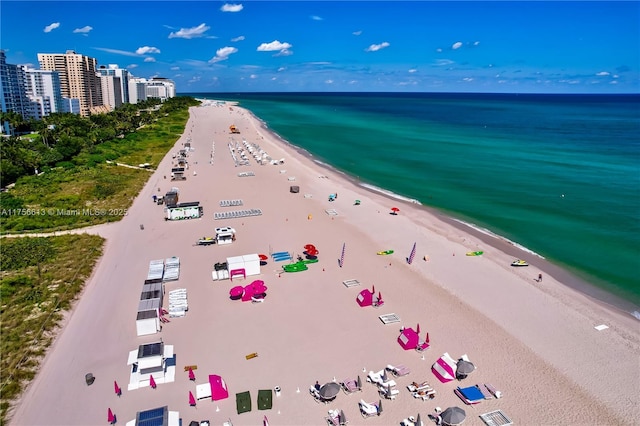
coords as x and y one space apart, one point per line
360 46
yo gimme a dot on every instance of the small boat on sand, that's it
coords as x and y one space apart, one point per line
475 253
206 241
519 262
385 252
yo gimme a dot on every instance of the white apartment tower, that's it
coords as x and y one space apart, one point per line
43 89
114 71
111 91
78 78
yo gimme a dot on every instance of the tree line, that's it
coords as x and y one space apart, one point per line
60 137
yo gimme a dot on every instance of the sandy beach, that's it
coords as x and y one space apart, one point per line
536 342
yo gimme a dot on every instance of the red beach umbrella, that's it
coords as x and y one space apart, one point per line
263 256
111 418
426 339
192 400
309 247
373 289
395 210
191 375
418 329
379 297
152 382
116 388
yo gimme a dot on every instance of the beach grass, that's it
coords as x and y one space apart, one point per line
90 191
40 279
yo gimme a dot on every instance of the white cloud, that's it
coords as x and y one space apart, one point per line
444 62
357 33
116 51
476 43
328 81
613 82
273 46
227 7
235 39
149 59
132 66
174 68
147 49
376 47
274 78
83 30
194 79
188 33
316 18
603 74
222 54
284 52
456 45
281 69
253 76
467 79
412 70
51 27
439 50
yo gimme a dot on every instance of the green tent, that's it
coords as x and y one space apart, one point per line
243 402
265 399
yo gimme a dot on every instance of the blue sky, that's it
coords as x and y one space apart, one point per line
415 46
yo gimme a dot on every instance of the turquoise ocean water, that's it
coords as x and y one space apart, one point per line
557 174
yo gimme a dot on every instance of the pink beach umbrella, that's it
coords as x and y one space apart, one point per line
265 421
191 375
116 388
152 382
111 418
192 400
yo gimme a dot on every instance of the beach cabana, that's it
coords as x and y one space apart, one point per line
243 402
408 339
365 298
445 368
265 399
218 388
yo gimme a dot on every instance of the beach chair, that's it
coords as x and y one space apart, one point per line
350 386
425 393
388 392
380 378
415 387
399 370
368 409
333 418
315 394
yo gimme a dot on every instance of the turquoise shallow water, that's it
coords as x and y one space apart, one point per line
558 174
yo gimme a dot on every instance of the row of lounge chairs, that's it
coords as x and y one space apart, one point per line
230 203
237 213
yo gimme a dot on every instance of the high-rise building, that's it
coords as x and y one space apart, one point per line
161 88
114 71
13 96
78 78
137 90
111 91
43 89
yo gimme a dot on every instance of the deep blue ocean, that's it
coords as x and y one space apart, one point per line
557 174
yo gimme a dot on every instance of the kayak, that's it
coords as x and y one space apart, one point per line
385 252
519 262
475 253
205 241
295 267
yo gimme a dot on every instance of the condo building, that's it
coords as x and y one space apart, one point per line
78 77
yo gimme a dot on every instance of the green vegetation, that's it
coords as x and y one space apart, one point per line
83 188
76 185
40 278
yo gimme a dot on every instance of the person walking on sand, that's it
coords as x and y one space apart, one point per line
539 278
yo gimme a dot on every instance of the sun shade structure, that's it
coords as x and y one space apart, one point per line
444 368
453 416
329 390
408 339
463 369
157 416
219 388
265 399
243 402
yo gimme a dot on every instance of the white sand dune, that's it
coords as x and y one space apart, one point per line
535 342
